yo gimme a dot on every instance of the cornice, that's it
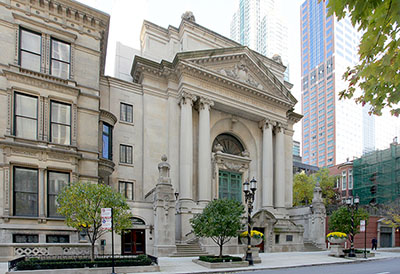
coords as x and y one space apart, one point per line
108 117
293 116
41 80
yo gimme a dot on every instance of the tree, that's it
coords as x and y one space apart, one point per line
303 186
392 214
220 221
379 59
80 203
340 220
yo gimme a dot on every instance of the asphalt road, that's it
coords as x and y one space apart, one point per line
387 266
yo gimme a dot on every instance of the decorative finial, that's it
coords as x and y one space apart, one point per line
164 158
188 16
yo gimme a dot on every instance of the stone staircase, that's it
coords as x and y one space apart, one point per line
309 247
189 249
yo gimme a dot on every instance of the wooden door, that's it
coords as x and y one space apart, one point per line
133 242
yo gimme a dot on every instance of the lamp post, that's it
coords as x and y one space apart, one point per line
249 190
351 205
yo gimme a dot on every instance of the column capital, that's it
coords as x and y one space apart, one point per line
205 102
280 127
187 98
266 123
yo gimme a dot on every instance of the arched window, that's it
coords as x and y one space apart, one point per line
230 144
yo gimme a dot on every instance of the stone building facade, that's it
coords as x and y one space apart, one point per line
220 112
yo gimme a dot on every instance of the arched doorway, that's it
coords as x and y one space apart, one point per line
133 241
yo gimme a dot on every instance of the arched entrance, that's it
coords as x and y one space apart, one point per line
133 241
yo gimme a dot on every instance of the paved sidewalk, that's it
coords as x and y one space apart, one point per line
269 261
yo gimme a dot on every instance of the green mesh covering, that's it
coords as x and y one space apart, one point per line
377 176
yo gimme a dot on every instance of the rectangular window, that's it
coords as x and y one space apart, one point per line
57 239
344 180
25 116
289 238
60 123
126 189
126 113
56 181
30 50
25 238
230 186
25 191
350 179
60 58
125 154
107 141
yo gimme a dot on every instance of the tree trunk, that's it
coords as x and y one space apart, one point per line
92 252
220 250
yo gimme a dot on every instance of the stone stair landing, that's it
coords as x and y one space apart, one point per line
189 250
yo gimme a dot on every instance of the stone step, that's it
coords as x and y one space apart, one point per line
311 247
189 250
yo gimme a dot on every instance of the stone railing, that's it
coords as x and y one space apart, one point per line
43 249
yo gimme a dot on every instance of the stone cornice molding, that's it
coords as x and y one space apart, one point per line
187 98
232 162
108 117
205 103
293 116
41 80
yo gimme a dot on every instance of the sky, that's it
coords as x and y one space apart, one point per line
127 17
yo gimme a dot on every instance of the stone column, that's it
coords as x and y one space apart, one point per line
186 147
267 164
279 184
204 172
42 198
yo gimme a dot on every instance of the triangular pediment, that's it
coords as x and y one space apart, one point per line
240 65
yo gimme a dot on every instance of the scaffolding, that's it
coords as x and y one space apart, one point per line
377 176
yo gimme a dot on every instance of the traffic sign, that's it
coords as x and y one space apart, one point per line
106 212
362 225
106 223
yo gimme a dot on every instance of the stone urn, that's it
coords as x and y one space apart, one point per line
253 240
334 240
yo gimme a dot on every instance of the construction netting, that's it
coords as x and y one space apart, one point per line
377 176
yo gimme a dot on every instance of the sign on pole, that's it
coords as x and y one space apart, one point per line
106 222
362 225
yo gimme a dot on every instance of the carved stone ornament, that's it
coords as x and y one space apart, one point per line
188 16
241 73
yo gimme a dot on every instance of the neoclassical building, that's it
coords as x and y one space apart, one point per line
200 115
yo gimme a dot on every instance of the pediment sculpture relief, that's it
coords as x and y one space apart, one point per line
241 73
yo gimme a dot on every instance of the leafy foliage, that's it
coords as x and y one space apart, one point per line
392 214
220 221
340 220
303 187
377 72
80 203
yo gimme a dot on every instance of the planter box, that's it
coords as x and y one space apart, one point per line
221 265
100 270
361 255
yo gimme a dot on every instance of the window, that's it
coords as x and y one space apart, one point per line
107 141
30 50
25 192
57 239
230 185
125 154
126 113
350 179
25 238
289 238
60 58
126 189
344 180
56 181
60 123
25 116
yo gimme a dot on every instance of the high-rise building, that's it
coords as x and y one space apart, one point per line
333 129
258 25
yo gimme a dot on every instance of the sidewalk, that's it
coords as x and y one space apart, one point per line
269 261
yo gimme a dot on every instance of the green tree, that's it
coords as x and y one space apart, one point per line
379 59
220 221
392 214
340 220
303 186
80 203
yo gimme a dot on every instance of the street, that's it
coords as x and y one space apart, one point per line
387 266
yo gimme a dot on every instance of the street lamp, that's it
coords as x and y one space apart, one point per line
351 205
249 190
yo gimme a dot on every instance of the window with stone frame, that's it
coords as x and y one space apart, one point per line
350 179
230 185
25 238
60 123
55 182
25 116
344 180
60 61
30 50
126 113
107 141
57 239
25 191
125 154
126 189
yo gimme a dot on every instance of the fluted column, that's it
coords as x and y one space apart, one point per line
279 185
267 164
186 147
204 172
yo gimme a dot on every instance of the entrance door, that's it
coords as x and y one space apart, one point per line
133 242
230 185
386 240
